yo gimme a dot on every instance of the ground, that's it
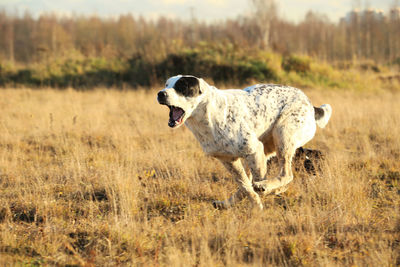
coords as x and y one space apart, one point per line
98 178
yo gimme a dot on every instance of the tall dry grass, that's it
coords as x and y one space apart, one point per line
98 178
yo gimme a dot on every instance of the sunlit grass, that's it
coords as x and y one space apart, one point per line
98 178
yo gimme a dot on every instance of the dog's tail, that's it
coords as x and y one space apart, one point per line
322 115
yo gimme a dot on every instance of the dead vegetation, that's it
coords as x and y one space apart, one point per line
97 178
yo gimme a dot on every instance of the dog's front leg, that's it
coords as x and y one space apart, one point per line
235 167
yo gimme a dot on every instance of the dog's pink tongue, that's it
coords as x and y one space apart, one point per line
176 113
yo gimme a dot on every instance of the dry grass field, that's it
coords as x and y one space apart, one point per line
98 179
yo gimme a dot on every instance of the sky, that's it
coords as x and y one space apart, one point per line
205 10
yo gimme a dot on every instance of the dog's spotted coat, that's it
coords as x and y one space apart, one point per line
253 124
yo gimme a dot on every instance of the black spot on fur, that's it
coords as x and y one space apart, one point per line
188 86
319 113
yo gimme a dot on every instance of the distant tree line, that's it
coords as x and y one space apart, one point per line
88 51
25 39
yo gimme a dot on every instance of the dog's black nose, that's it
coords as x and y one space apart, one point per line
162 96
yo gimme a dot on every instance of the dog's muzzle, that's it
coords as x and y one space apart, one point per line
176 114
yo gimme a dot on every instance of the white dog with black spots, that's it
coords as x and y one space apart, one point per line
252 124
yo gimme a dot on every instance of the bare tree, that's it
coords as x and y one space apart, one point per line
264 12
10 37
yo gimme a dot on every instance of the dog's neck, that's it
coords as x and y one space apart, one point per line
201 119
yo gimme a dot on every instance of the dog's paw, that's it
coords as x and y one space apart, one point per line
262 187
259 187
219 205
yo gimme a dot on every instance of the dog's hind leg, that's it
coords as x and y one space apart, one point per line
285 152
288 135
235 167
257 162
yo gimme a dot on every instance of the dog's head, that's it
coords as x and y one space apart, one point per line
181 94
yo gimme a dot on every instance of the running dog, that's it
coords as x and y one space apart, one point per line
252 124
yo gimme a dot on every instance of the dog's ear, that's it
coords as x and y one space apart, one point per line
201 84
188 86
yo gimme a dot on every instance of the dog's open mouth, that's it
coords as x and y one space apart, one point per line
176 115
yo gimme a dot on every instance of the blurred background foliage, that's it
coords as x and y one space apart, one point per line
87 51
